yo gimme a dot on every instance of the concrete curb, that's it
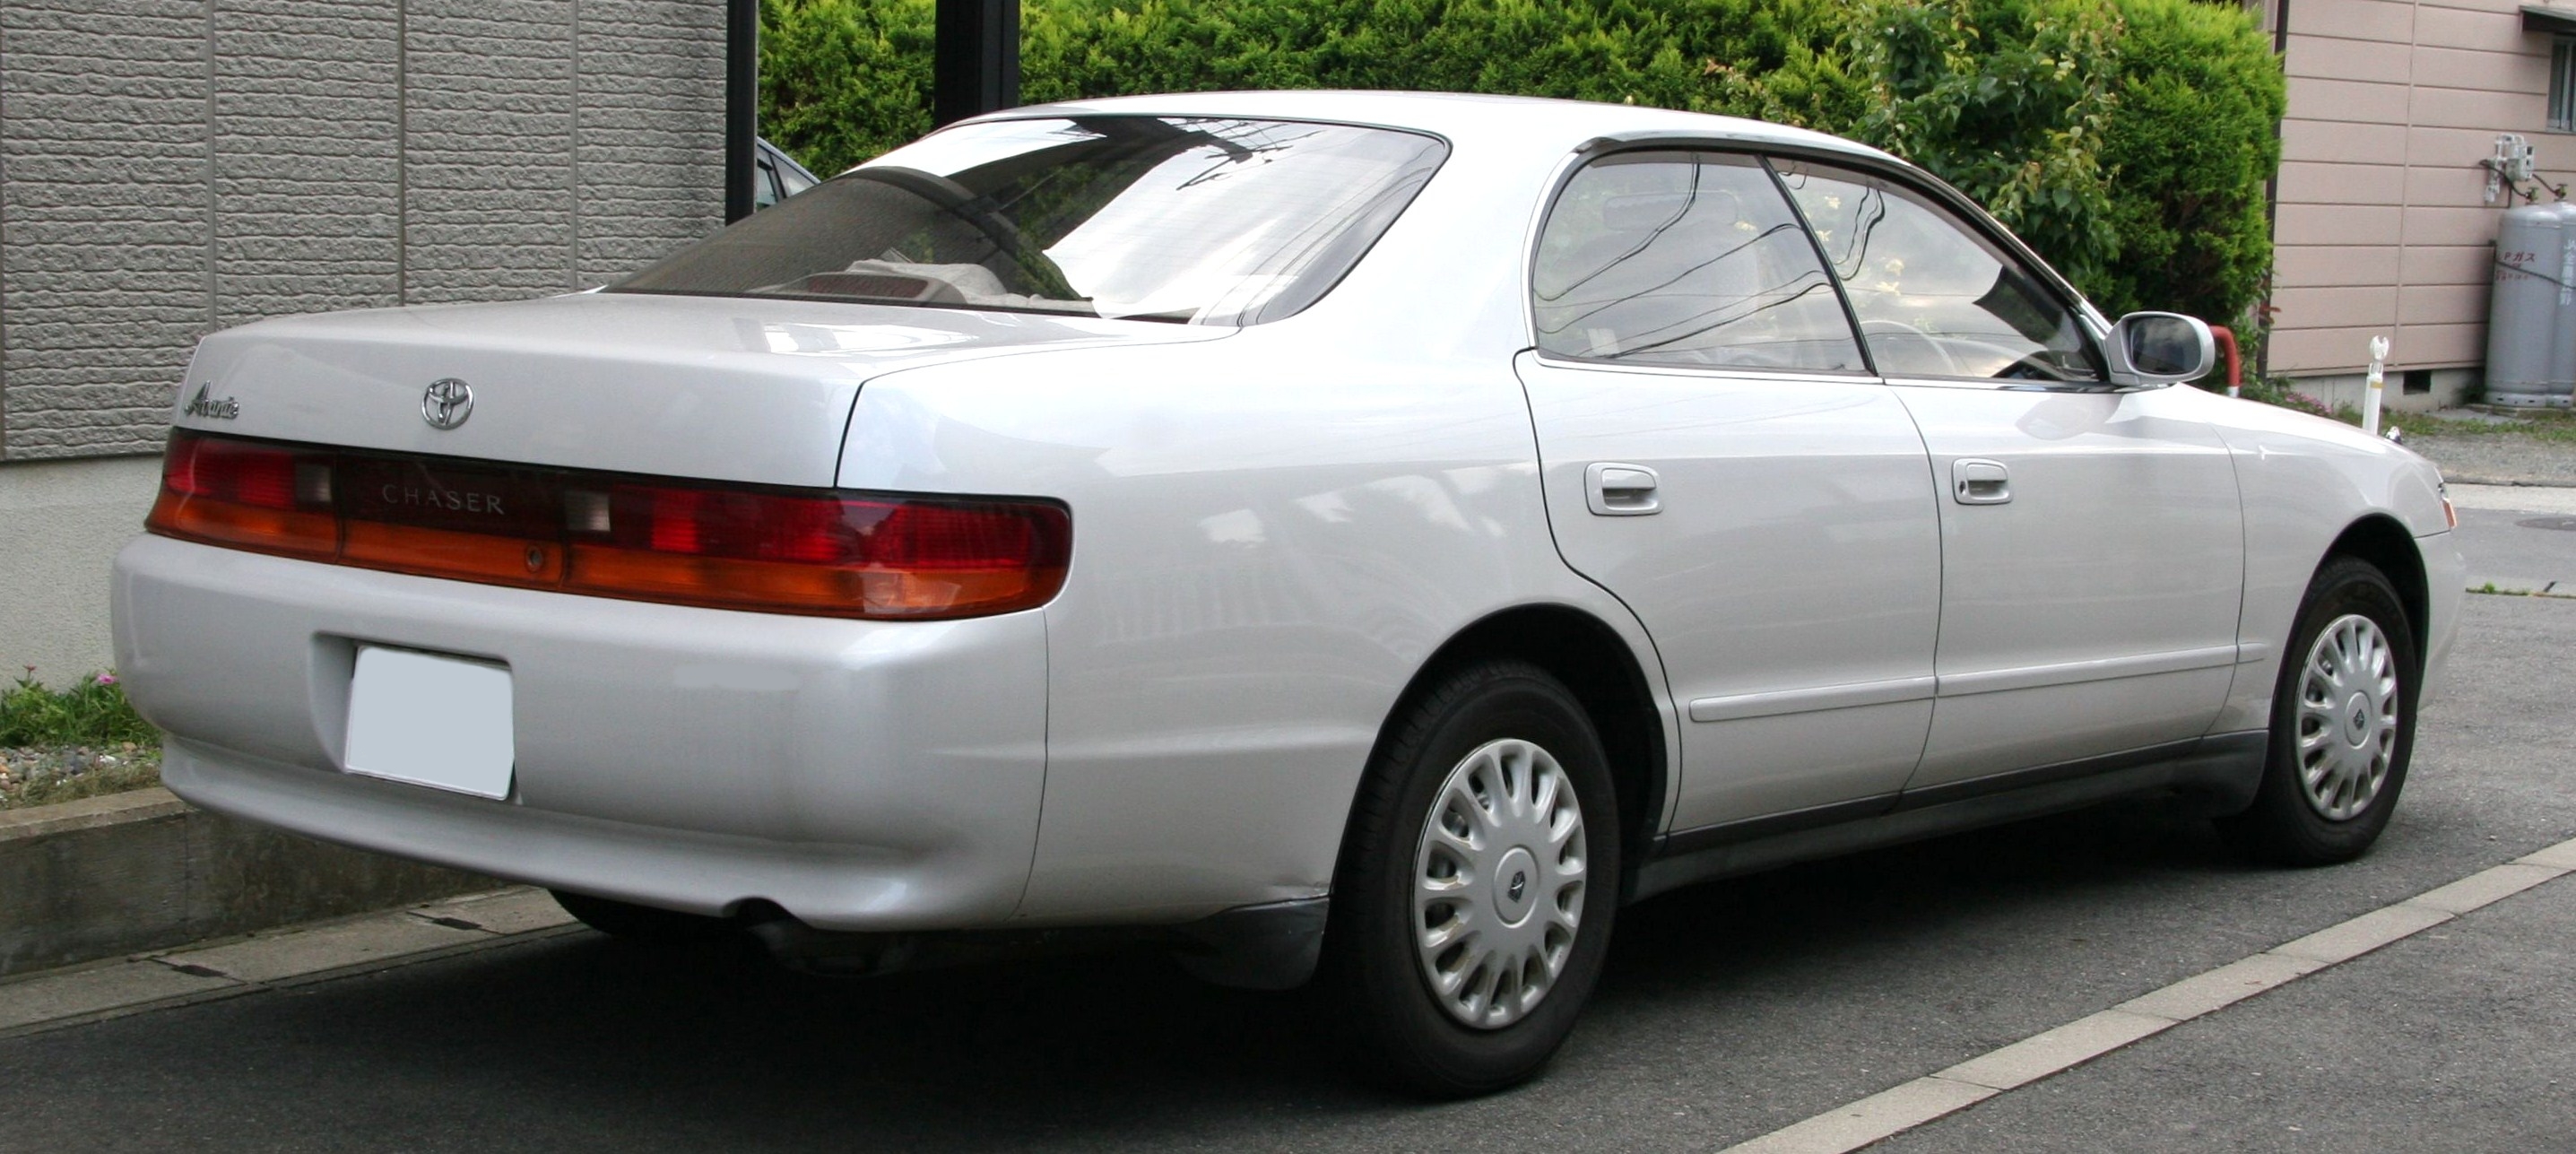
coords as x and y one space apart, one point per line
2510 482
142 871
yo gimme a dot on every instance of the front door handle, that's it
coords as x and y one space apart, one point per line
1611 489
1977 481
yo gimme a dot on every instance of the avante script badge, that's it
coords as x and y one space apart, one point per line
205 405
447 403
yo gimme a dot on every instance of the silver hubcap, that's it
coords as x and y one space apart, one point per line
2347 717
1498 883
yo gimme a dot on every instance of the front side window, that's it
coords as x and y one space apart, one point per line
1680 258
1160 218
1935 297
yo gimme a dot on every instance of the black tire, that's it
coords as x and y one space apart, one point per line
2287 824
1372 969
627 921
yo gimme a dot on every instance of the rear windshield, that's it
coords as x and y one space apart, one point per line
1222 222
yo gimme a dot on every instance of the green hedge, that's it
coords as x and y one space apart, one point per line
2127 140
2201 97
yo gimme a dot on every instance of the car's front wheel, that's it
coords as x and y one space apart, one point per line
2343 724
1478 883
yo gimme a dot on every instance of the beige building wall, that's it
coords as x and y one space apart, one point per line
2383 227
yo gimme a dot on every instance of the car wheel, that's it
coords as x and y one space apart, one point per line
2343 723
630 922
1478 884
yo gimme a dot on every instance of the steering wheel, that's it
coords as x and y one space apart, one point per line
1949 364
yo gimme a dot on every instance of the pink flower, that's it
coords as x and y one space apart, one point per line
107 679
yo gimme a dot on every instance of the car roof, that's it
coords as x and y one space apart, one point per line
1466 119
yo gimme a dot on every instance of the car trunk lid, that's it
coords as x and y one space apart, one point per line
712 388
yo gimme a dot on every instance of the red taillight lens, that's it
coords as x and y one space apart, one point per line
725 547
254 496
918 557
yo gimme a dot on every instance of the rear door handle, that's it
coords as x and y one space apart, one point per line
1977 481
1611 489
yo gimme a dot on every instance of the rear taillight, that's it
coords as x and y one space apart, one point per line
902 557
261 497
732 547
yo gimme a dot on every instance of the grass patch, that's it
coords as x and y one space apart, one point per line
63 744
93 712
2554 429
2556 426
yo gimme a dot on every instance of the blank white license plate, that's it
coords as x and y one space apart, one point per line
442 722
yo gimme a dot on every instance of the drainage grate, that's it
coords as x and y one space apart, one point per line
2567 523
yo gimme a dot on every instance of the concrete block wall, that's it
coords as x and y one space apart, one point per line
104 284
173 167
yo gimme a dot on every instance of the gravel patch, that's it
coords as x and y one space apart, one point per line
43 775
2488 449
2499 459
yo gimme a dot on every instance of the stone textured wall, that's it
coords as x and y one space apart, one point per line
171 167
103 204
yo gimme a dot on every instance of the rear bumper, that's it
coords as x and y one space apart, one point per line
862 775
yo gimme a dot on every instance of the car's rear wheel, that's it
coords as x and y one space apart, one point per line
2343 724
1478 884
634 923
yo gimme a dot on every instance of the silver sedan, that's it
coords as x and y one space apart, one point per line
1358 534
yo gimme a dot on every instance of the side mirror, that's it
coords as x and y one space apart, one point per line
2154 349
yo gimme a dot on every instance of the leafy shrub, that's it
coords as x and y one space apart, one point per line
843 80
2127 140
93 712
2200 94
2006 99
2277 391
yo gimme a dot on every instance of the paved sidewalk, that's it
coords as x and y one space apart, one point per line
288 957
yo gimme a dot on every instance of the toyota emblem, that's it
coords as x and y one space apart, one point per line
447 403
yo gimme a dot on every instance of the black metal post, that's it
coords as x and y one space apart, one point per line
975 60
742 104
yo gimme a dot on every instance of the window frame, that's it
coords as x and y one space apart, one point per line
2095 326
2559 114
1761 163
1043 112
2089 323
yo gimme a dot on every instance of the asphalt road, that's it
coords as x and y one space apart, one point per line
2521 550
1729 1010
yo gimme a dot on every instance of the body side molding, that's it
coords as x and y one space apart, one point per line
1739 706
1771 703
2079 672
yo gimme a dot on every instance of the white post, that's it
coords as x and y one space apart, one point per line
2378 380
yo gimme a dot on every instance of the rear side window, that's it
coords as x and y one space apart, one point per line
1161 218
1936 298
1679 258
